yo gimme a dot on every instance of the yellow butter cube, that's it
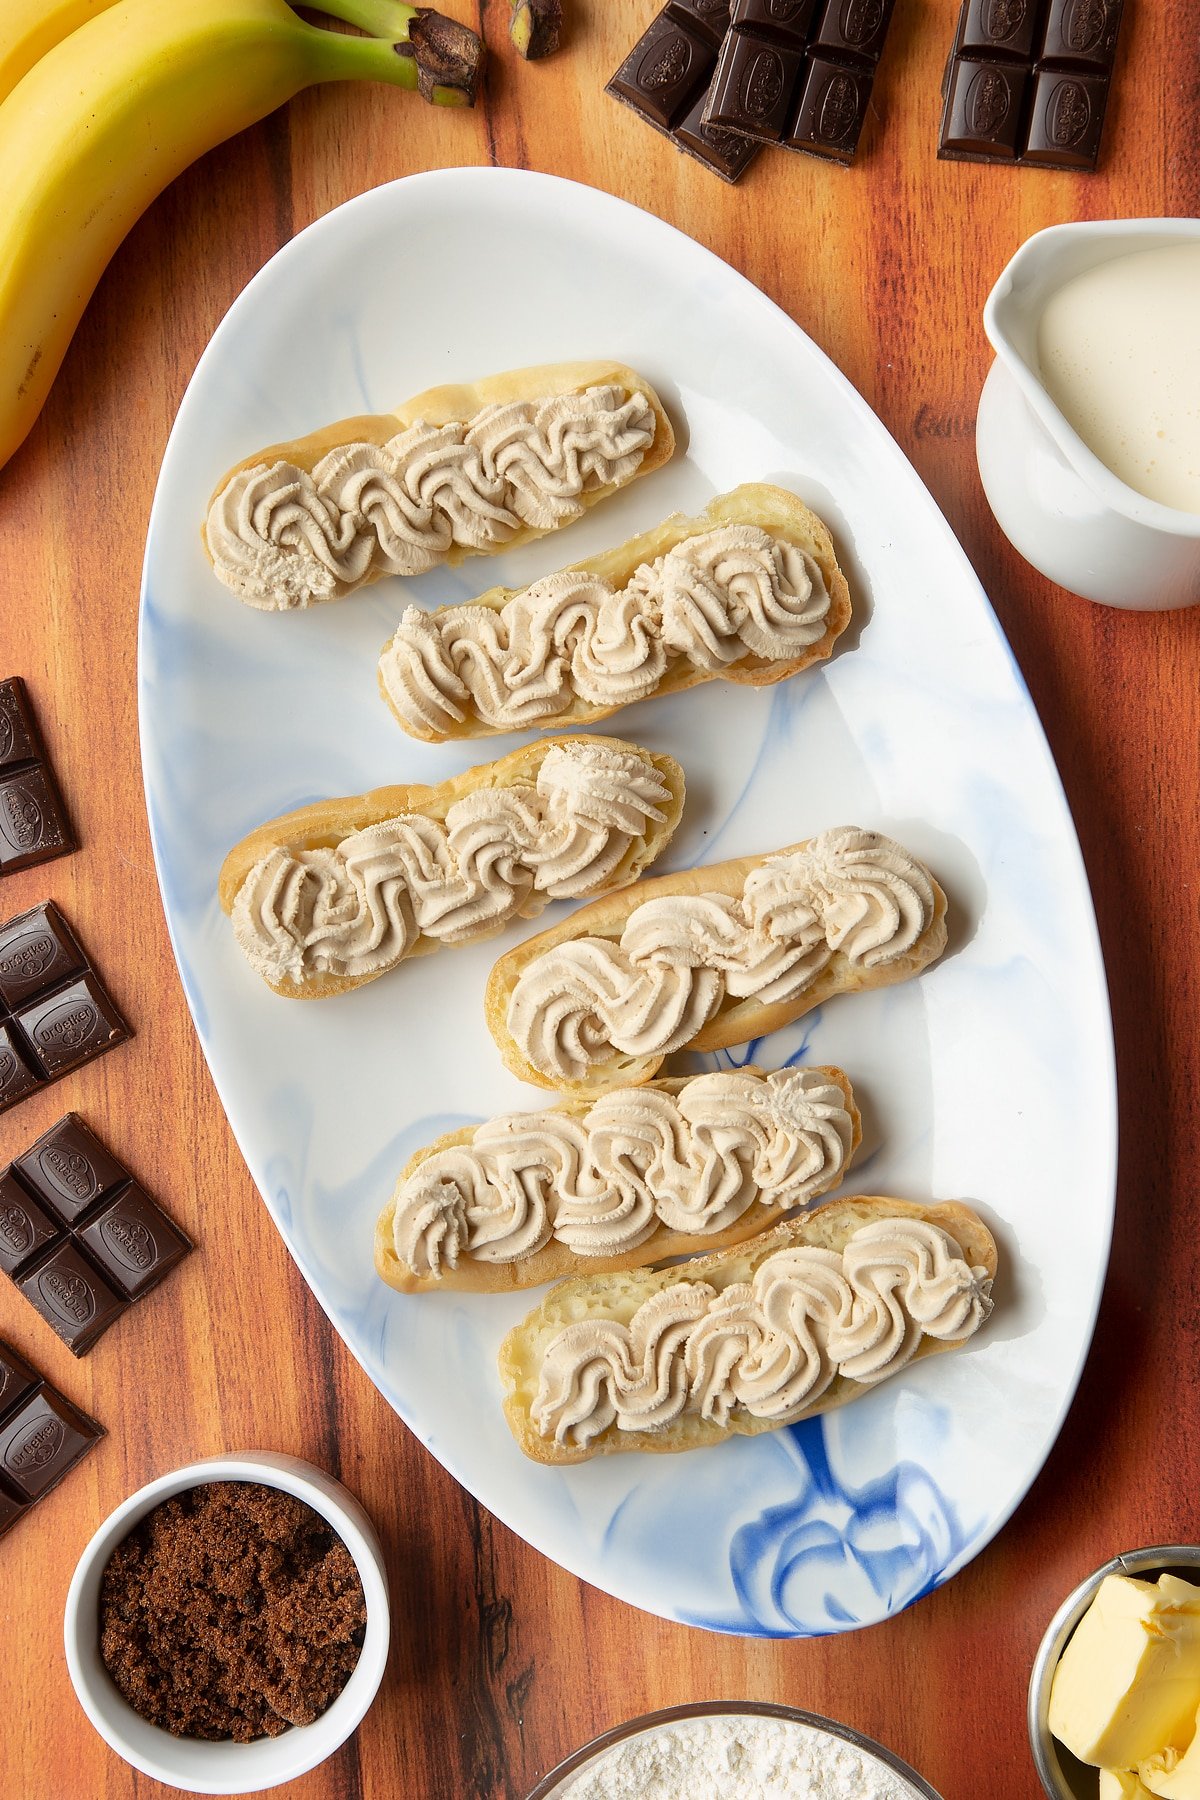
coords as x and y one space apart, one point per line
1174 1775
1127 1686
1122 1784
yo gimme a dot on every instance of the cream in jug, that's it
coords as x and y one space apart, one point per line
1119 349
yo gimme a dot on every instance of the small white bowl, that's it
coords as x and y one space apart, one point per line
197 1766
1062 1775
556 1784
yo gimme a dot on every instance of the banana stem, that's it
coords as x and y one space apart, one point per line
378 18
410 46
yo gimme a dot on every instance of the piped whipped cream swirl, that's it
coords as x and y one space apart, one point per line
357 909
281 537
769 1347
638 1160
850 893
712 601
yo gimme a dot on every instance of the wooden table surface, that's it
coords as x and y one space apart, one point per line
501 1663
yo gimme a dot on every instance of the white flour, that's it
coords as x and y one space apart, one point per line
737 1758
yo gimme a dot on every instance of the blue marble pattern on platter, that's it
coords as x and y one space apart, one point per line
988 1080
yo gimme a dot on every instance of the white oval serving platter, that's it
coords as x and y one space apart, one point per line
990 1079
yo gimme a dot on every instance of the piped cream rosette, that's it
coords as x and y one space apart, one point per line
712 957
638 1175
334 895
462 470
750 591
802 1319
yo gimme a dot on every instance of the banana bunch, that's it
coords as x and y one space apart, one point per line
103 102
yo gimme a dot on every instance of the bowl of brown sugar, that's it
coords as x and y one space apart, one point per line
227 1627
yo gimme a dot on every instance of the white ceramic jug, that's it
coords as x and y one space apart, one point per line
1068 514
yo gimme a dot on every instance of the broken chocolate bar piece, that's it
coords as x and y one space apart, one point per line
799 73
79 1236
55 1012
1028 82
41 1440
42 1437
665 80
33 822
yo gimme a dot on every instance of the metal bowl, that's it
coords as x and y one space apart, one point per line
1063 1776
553 1785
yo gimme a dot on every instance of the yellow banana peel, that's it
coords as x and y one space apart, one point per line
120 106
28 30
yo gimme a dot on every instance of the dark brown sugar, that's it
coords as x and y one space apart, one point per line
231 1611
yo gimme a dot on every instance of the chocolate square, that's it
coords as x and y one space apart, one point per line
727 153
19 740
73 1297
72 1026
37 951
16 1077
44 1439
17 1379
25 1229
664 71
709 17
982 117
998 28
11 1509
134 1242
1081 33
33 826
853 28
1066 119
69 1168
785 19
831 110
752 87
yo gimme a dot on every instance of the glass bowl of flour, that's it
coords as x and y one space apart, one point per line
732 1750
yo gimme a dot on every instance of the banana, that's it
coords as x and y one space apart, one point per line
27 31
111 114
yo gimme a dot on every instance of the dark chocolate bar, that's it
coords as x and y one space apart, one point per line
41 1440
33 822
42 1436
799 73
79 1236
665 79
55 1012
1028 81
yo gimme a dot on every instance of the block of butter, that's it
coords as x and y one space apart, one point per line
1127 1686
1122 1784
1172 1776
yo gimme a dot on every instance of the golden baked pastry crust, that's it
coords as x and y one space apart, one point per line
827 1227
773 509
325 823
737 1021
557 1260
461 400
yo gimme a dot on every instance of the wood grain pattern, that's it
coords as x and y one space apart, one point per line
501 1662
